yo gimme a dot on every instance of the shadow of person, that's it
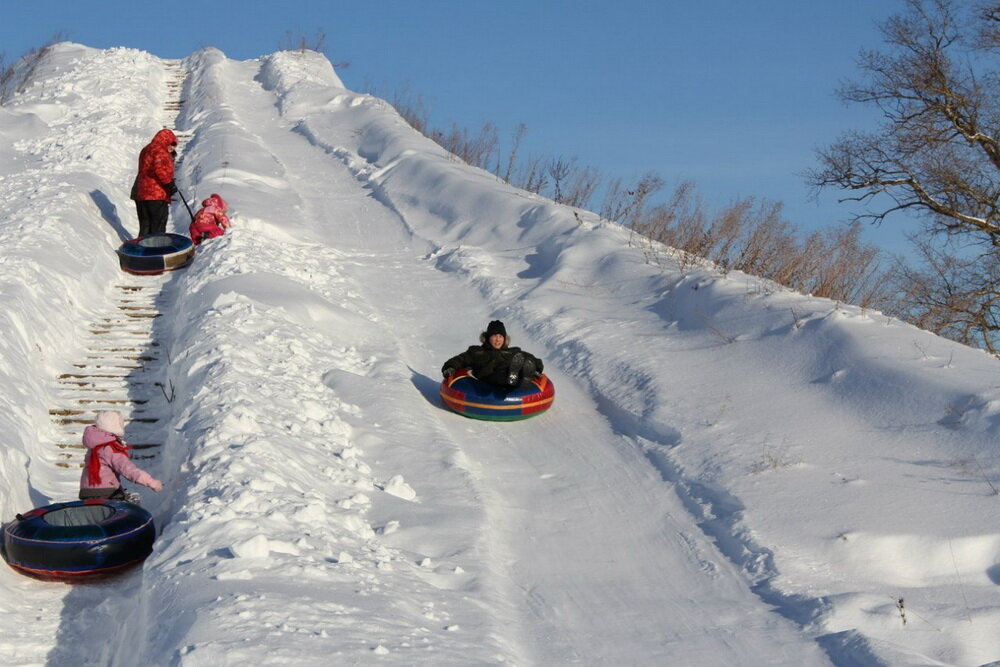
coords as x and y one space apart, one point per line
427 386
110 213
40 499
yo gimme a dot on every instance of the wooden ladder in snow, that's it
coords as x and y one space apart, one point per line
124 367
174 104
120 371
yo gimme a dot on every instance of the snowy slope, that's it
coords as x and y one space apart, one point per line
731 473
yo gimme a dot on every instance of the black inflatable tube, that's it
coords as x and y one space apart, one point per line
155 254
79 540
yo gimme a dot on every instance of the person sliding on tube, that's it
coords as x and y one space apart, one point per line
494 361
108 460
154 184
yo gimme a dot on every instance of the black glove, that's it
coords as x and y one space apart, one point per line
448 372
170 188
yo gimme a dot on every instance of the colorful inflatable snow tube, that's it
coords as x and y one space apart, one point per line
156 253
473 398
78 541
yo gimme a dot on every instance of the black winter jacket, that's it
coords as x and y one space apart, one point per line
488 364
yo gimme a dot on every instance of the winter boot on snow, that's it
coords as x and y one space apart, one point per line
514 371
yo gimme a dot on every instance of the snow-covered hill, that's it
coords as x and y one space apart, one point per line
731 473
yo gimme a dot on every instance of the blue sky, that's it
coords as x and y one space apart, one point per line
734 96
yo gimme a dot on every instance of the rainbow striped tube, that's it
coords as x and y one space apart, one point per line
469 397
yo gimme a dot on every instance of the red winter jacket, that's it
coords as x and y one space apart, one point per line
156 168
210 221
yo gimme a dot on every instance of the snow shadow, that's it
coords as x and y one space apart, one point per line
542 260
428 387
110 214
92 620
688 303
994 574
716 512
962 473
38 499
849 647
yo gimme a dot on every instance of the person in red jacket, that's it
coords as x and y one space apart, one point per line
210 221
108 459
154 184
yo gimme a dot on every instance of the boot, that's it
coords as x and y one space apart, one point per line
528 373
514 371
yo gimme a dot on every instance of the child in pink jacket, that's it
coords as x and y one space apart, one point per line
108 459
210 221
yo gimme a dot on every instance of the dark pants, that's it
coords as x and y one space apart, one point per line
110 494
105 494
500 376
152 216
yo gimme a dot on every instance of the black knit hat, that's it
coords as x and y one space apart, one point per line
496 327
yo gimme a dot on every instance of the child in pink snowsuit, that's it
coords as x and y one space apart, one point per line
210 221
108 460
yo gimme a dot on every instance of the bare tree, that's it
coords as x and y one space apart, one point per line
531 175
16 77
296 41
952 294
989 36
559 170
936 152
627 206
582 185
477 150
516 139
413 109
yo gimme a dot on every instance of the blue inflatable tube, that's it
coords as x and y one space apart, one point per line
79 540
156 253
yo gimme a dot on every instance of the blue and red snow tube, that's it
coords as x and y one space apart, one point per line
474 398
156 253
78 541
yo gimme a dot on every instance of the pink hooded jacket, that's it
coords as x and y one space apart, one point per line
210 221
113 464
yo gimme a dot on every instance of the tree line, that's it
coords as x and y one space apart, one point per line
935 154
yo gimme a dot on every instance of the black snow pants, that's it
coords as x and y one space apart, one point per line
152 216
